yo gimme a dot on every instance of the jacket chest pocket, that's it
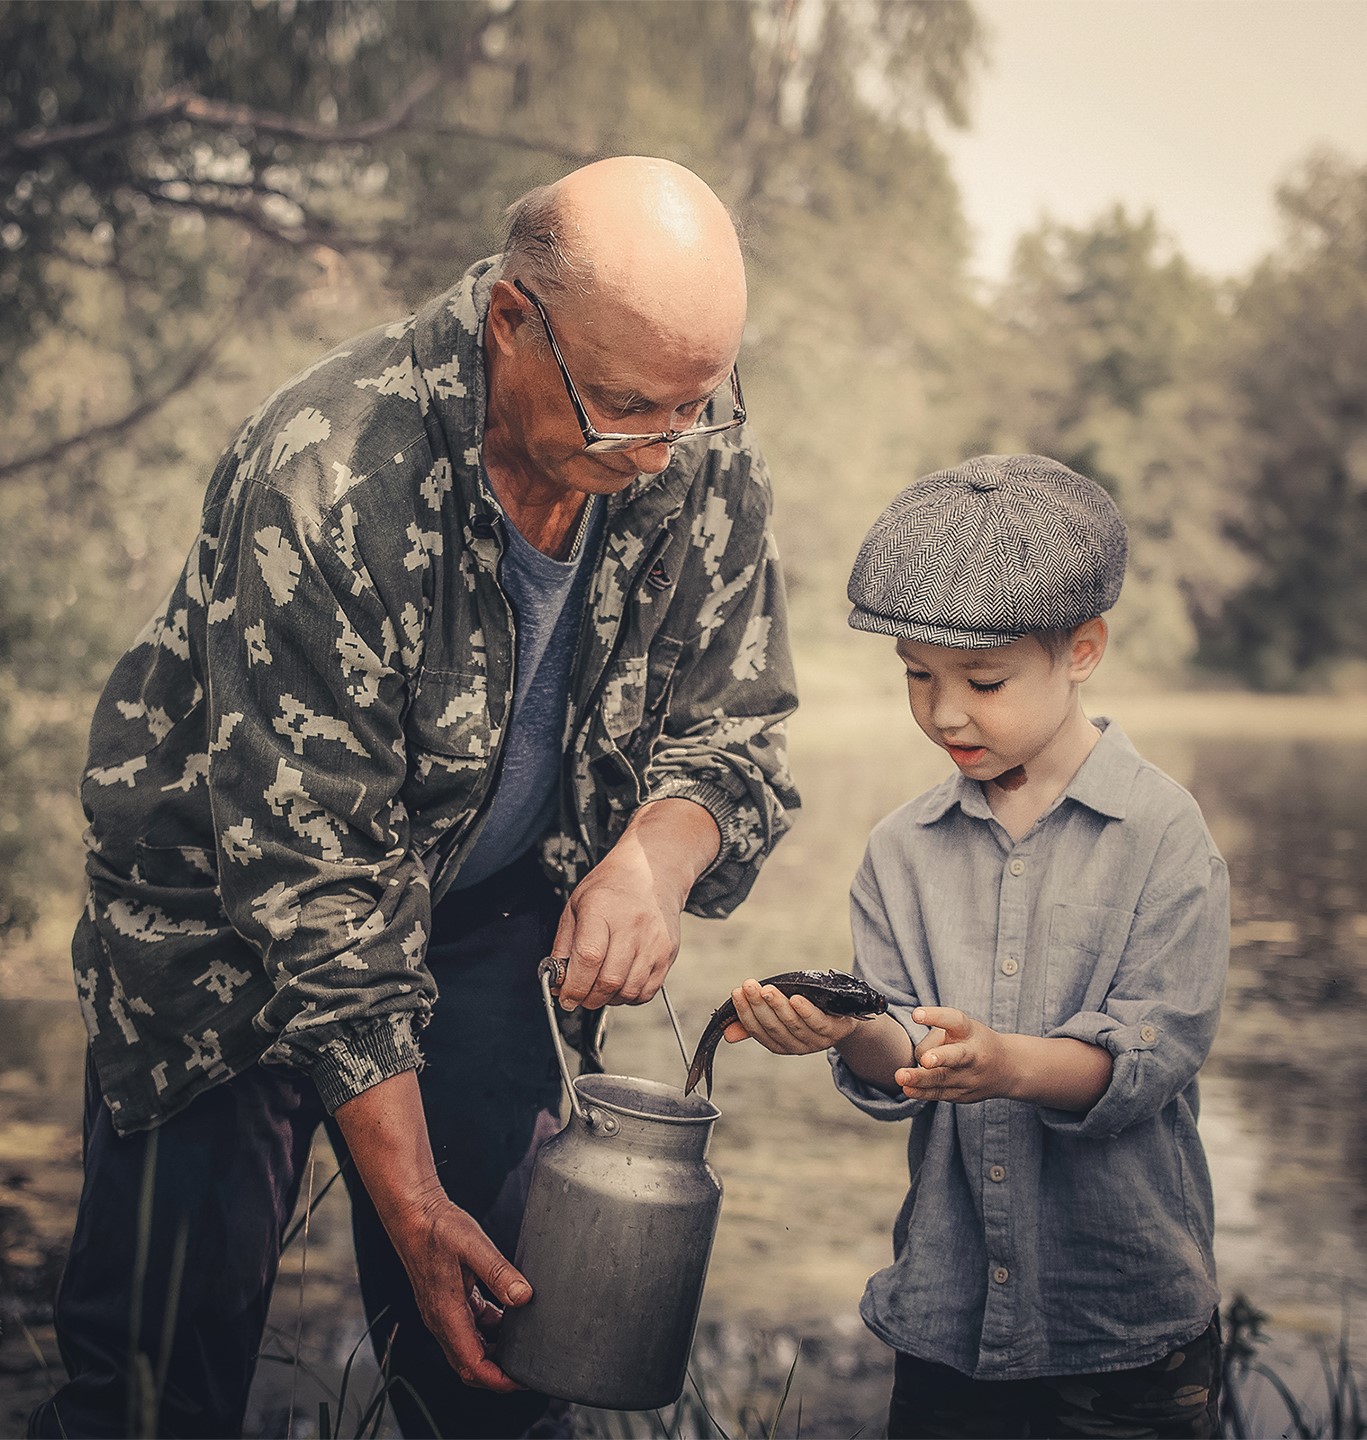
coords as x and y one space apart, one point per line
630 716
635 698
449 730
1084 948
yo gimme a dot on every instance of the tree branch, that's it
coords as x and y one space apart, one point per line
186 377
183 104
558 148
310 231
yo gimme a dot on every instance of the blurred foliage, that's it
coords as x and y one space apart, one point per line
1299 366
198 198
1110 360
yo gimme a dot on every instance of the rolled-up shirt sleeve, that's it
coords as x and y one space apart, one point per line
1159 1016
306 762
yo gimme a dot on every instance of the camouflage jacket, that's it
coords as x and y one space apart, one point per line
288 765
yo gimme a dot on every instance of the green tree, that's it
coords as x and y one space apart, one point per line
197 198
1300 355
1110 359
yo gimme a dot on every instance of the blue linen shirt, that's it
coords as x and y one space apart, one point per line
1035 1241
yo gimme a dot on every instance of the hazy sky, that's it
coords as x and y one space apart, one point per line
1194 108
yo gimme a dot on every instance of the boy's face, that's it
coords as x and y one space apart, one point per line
993 710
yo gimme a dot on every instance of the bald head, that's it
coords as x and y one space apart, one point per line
640 237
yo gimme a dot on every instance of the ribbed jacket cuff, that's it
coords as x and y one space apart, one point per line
345 1068
719 803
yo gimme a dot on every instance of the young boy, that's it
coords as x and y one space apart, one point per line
1051 927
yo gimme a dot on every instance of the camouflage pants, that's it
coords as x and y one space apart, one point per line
215 1187
1176 1396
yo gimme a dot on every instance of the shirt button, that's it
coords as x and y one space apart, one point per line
998 1173
1001 1274
1009 966
1017 867
1148 1034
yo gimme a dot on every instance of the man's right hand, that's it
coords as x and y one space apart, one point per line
461 1281
462 1284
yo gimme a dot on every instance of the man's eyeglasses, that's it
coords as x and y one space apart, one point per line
596 442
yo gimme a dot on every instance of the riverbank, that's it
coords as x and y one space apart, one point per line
811 1186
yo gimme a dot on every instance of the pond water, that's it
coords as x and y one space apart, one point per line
811 1185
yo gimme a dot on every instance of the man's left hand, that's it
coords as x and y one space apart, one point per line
620 929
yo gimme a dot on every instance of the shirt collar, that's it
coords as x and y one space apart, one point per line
1106 777
1102 783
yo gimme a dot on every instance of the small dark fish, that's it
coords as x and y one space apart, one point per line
830 990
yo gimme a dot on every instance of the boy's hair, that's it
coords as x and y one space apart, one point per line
1055 640
990 550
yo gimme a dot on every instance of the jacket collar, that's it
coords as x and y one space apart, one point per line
448 344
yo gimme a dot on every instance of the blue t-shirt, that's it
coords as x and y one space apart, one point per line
547 599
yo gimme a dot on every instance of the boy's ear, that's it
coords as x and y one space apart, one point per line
1086 649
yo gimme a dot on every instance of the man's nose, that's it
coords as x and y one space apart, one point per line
651 459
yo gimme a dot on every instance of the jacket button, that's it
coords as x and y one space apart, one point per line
1001 1274
1017 867
998 1173
1148 1034
1010 966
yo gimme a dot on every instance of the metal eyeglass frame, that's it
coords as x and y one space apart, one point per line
598 442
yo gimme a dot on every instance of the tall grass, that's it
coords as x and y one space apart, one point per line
696 1415
1248 1381
723 1399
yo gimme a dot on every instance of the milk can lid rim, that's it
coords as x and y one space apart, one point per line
704 1112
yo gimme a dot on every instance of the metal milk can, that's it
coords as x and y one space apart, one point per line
620 1219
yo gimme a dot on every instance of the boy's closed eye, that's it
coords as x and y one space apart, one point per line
982 687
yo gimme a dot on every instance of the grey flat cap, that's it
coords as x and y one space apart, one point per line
995 548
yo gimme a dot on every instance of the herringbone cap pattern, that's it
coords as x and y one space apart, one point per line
990 550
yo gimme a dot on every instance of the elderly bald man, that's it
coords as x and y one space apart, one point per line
480 655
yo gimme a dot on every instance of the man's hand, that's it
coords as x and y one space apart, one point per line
454 1267
459 1278
620 929
787 1025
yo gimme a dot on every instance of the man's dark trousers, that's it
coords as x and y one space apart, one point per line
179 1229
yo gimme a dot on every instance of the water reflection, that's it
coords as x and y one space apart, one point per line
811 1186
1284 1088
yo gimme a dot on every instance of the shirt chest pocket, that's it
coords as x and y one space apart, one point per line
1083 951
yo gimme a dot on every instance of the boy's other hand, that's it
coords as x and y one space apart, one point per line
961 1060
787 1025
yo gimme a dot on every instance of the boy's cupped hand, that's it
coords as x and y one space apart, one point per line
787 1025
961 1060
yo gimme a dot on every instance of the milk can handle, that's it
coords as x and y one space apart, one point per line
552 972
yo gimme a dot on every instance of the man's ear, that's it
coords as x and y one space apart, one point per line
507 316
1087 647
